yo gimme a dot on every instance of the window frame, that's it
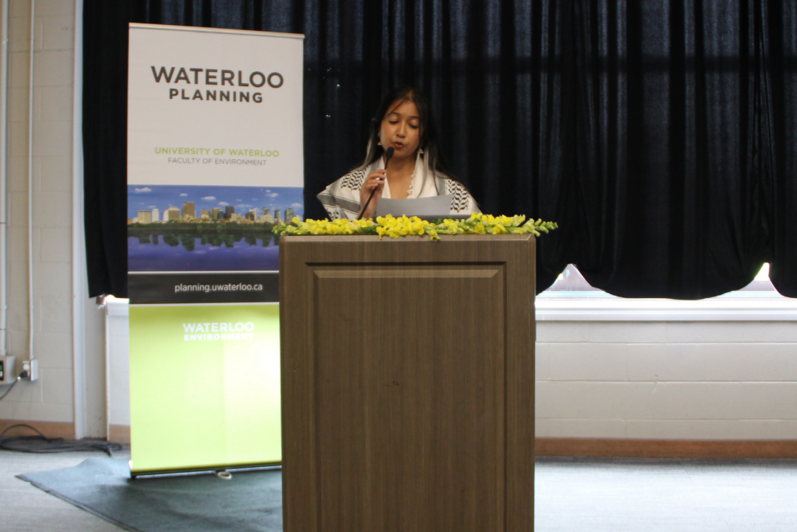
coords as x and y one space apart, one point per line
759 301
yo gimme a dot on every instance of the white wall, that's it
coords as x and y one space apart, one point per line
667 380
690 380
51 398
118 331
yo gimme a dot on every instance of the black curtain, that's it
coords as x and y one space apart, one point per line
684 153
658 134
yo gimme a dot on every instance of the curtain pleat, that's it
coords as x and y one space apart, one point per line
658 134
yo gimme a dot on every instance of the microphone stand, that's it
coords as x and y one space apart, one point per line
388 155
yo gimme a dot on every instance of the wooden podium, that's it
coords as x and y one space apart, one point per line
408 383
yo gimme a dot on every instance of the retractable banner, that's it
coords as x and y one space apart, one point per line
215 162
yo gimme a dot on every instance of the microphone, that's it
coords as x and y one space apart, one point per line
388 155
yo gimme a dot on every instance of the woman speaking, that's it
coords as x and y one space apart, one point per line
402 137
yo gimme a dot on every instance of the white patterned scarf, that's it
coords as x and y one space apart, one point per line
341 199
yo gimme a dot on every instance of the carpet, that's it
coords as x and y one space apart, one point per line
250 501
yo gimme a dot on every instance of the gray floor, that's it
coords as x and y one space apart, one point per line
577 495
29 509
625 495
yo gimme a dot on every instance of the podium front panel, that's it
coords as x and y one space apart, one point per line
408 384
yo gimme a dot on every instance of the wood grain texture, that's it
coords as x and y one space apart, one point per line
48 428
407 383
633 448
119 433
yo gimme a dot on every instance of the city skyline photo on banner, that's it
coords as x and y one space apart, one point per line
207 228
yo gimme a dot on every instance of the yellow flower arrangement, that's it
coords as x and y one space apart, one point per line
477 224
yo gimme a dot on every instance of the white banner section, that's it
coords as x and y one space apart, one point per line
214 107
215 154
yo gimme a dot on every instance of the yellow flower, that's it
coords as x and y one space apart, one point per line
364 223
393 227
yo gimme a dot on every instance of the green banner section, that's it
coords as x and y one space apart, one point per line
204 386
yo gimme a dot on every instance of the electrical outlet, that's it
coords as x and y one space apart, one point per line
32 367
7 366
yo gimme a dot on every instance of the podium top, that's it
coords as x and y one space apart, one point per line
408 239
517 251
370 248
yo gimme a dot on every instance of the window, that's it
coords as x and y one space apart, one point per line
571 298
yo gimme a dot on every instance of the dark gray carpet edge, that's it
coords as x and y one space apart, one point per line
250 501
77 503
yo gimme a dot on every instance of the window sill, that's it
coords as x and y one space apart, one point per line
117 307
598 306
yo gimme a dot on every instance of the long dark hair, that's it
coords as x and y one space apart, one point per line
433 157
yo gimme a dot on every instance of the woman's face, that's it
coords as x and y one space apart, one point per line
401 129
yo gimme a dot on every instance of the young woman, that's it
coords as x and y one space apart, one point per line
417 170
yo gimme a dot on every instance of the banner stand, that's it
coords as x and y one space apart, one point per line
215 163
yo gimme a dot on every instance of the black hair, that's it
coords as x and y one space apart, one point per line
429 143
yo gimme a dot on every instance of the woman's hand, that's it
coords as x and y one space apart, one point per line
374 181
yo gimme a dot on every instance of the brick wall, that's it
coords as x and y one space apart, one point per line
658 380
51 397
732 380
